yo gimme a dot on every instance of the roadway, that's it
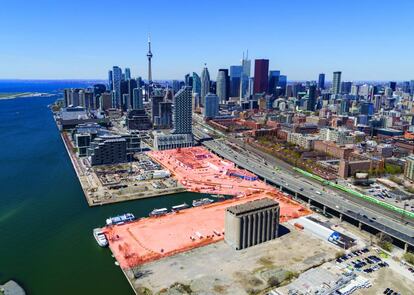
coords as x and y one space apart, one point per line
367 214
288 170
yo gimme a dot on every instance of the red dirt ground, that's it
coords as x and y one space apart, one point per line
149 239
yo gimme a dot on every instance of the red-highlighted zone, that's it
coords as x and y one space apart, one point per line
152 238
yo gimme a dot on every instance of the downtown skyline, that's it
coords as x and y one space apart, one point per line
366 41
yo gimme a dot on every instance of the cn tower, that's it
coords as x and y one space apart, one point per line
149 55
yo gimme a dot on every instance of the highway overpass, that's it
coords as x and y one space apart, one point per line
365 215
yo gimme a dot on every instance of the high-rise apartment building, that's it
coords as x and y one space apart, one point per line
116 85
182 111
211 109
336 83
156 99
137 99
165 114
346 87
110 81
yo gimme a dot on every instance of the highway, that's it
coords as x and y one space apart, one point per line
348 207
288 170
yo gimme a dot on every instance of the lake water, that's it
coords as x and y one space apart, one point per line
46 241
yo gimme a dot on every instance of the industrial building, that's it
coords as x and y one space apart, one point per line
252 223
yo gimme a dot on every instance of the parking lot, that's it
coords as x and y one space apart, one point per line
391 196
385 278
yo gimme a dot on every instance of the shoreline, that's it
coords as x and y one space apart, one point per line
88 188
9 96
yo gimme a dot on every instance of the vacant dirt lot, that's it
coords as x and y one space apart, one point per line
218 269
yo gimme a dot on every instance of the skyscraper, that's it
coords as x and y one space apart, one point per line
311 98
132 84
182 111
235 78
149 55
261 69
211 109
127 74
165 114
406 86
221 86
124 99
110 81
282 84
176 85
188 79
412 87
156 99
244 81
137 101
205 84
273 82
321 81
346 87
116 85
393 85
196 83
336 83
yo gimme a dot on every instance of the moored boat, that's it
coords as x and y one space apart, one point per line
158 212
100 237
120 219
201 202
179 207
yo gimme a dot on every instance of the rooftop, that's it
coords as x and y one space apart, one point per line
252 206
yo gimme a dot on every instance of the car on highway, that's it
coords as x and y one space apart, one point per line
318 192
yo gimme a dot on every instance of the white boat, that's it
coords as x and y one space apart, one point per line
201 202
120 219
159 212
179 207
100 237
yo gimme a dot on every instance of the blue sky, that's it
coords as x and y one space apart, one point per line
58 39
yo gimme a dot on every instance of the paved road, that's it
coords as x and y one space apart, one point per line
367 214
288 169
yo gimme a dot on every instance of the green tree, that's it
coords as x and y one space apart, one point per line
384 241
409 257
